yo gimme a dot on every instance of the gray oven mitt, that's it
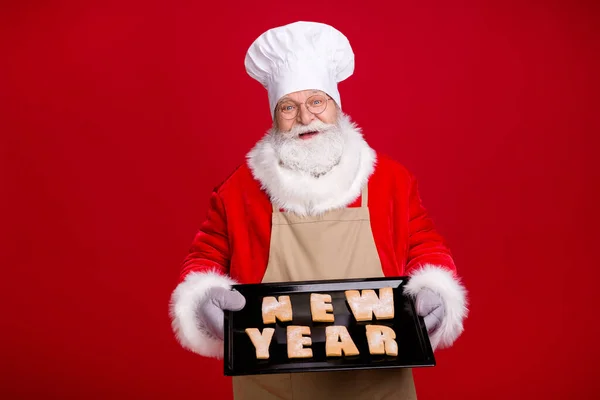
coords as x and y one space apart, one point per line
209 313
430 305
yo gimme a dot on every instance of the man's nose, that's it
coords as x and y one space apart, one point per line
305 116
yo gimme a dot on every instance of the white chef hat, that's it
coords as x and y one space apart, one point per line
300 56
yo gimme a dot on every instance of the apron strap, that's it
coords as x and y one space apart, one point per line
365 196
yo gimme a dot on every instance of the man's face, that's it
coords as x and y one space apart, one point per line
304 108
306 135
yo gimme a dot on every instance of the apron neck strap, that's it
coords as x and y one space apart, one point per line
365 196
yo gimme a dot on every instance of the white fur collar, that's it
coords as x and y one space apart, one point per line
304 194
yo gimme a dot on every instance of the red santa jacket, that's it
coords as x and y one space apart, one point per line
232 245
235 237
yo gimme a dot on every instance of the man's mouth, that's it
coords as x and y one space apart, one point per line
308 135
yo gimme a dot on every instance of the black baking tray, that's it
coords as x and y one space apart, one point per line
414 347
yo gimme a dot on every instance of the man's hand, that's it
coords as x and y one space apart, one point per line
210 311
430 306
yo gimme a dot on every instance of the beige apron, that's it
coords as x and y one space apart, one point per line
336 245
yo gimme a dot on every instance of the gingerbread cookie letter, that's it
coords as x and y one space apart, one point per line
273 309
364 305
320 304
261 341
296 342
381 340
338 341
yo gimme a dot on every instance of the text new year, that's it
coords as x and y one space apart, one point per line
363 305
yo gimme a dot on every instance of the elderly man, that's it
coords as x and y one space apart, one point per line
313 201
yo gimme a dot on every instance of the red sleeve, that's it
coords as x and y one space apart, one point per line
210 247
425 244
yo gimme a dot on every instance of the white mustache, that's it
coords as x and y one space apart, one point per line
315 126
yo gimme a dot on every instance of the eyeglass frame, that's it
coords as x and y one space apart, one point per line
305 105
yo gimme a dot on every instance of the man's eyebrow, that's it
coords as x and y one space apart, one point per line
286 98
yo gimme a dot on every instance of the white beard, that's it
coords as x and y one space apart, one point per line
315 156
310 177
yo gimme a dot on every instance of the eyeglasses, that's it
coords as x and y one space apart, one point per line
316 104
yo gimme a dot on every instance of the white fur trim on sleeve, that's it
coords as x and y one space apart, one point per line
182 309
454 295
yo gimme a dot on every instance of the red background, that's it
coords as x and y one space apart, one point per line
118 120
